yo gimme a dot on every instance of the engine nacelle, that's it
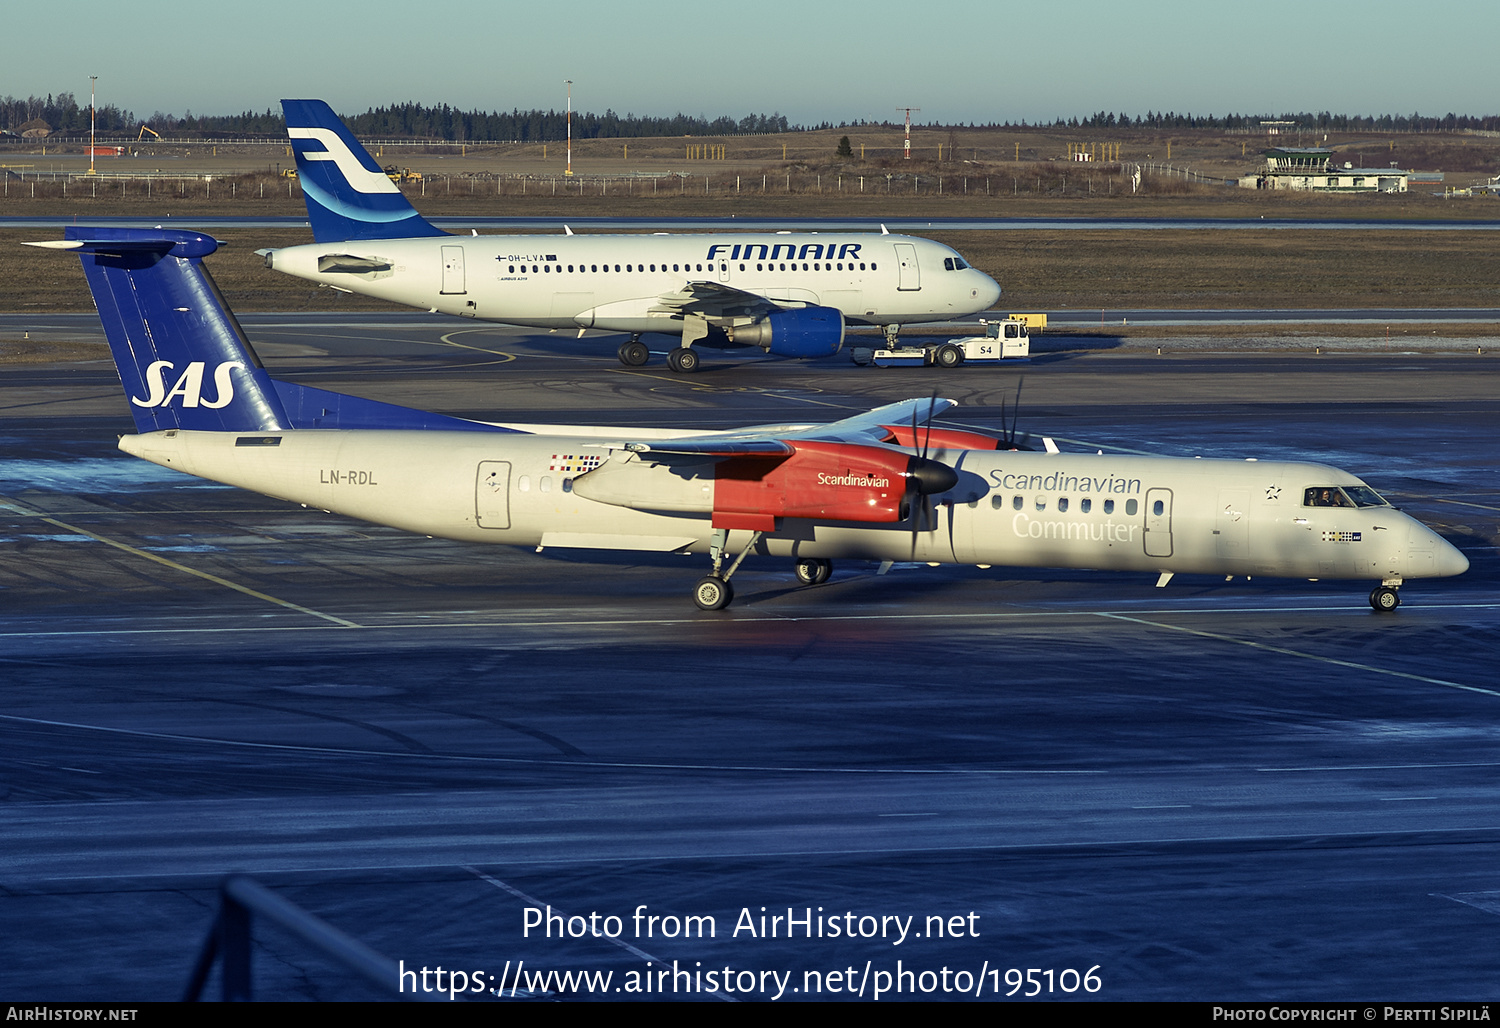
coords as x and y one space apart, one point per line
808 332
924 437
828 481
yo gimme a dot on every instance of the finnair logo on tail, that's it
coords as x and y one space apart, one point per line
360 178
189 385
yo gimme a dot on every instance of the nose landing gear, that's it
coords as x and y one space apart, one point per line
1385 598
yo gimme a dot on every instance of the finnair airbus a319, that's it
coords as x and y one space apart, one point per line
790 294
874 486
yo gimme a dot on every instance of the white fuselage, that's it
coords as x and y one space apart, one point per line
619 282
1155 514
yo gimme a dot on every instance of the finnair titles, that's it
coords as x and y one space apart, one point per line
790 295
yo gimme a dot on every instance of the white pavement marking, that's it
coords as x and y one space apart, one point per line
1284 651
207 576
757 617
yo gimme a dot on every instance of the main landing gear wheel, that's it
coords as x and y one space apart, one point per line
813 570
683 360
1384 599
634 353
712 593
948 356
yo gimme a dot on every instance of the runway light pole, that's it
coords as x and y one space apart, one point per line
92 80
568 171
908 111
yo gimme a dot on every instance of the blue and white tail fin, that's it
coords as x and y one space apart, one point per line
182 357
348 196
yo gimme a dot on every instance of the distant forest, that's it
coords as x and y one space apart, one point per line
63 114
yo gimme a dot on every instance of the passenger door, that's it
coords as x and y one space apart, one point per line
906 263
1158 522
492 494
1232 524
453 270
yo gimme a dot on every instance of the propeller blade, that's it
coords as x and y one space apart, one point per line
931 410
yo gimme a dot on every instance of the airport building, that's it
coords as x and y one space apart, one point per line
1312 168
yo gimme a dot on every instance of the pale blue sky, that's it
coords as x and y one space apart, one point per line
960 61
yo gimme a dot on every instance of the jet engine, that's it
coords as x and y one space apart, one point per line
807 332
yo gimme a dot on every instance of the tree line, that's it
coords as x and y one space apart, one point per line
1323 121
63 114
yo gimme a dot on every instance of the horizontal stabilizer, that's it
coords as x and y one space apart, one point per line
350 263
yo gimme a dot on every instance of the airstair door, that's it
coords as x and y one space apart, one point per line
1232 524
453 270
906 263
1158 522
492 494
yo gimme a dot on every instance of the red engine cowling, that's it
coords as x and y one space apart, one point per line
941 438
827 481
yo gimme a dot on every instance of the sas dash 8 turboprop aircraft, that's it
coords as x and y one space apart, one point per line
790 294
876 486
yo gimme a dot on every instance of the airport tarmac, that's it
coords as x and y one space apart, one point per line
1246 790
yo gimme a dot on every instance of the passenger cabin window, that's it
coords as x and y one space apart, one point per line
1018 503
1062 505
1109 506
1086 504
1130 508
997 501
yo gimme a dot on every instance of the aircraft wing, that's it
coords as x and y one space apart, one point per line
870 427
715 300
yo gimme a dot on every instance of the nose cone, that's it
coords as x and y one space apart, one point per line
1429 555
1450 559
987 291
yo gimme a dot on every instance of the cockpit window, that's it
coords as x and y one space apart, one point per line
1348 496
954 264
1364 496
